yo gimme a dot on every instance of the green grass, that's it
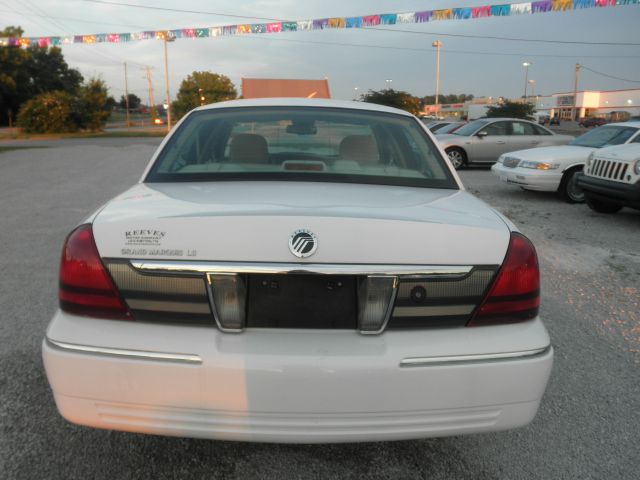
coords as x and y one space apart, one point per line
9 149
143 133
60 136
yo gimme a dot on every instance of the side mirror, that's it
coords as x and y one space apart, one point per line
482 133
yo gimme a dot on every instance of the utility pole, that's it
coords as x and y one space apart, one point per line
437 44
166 80
575 92
151 99
526 66
126 95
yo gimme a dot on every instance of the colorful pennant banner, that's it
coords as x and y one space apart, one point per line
501 10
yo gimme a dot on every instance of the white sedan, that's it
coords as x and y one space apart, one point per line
552 169
293 270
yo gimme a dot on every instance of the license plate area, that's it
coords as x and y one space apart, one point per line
302 301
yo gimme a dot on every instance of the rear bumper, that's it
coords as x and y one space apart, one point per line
617 193
296 387
541 180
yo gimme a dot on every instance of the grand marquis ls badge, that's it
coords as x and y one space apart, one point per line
303 243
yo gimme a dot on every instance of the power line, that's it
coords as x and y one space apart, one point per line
380 29
33 12
37 22
180 10
80 20
609 76
511 39
462 52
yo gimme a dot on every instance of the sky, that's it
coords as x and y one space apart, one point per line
361 59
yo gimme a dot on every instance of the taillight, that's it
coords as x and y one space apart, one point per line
85 285
515 293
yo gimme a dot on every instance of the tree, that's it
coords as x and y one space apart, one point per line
512 110
134 101
447 99
111 103
49 112
212 87
394 98
12 32
26 73
49 71
14 77
61 112
90 106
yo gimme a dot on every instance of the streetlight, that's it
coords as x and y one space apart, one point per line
167 38
526 66
533 86
437 44
387 83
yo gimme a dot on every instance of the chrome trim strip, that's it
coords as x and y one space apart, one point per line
463 359
187 358
433 311
161 266
169 307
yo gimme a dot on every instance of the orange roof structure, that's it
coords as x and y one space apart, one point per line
279 87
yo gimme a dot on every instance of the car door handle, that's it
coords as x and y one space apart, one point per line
535 142
501 142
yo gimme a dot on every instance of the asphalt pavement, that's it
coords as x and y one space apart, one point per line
588 426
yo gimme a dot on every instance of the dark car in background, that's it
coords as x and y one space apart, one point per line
592 122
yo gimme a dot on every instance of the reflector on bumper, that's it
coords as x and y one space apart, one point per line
227 294
376 295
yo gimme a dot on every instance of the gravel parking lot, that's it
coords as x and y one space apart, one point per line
588 426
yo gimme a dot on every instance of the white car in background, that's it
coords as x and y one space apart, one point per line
555 169
294 270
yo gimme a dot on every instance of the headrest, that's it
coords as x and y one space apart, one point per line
248 148
359 148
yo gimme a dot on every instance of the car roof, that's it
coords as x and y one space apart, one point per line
493 119
635 124
304 102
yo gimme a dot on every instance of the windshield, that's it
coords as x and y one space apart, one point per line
301 143
604 136
471 128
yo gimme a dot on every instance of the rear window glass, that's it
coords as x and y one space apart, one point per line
541 131
301 143
497 129
471 128
522 128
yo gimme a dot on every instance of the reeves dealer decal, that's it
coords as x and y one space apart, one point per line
152 239
144 237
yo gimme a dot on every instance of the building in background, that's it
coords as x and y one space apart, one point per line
614 105
469 110
278 87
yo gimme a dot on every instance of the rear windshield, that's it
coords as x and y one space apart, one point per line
301 143
605 136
